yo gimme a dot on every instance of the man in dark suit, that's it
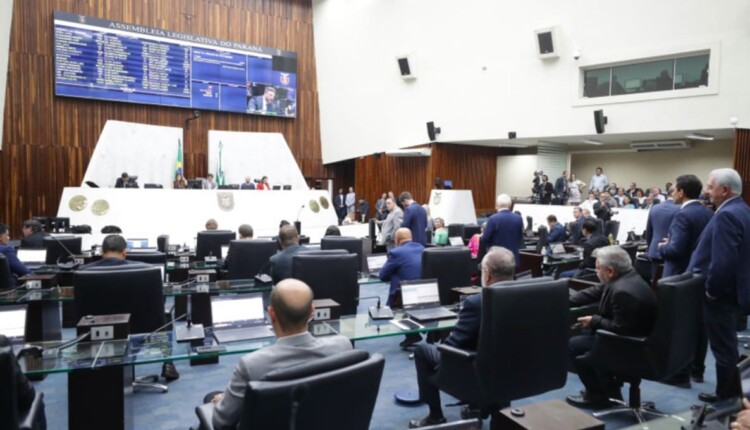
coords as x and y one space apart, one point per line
657 227
17 269
497 266
264 103
557 233
122 180
339 203
686 228
593 241
504 228
723 253
404 264
114 252
248 184
415 217
33 234
546 190
24 390
363 210
561 187
627 306
603 207
281 263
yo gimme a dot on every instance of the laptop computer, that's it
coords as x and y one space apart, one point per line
558 252
137 243
13 323
375 263
237 318
32 256
421 300
224 251
456 241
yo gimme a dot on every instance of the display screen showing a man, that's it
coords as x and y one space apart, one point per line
264 103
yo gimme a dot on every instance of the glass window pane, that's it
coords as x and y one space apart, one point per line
691 72
596 83
642 77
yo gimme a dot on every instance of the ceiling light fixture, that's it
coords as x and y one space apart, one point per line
592 142
698 136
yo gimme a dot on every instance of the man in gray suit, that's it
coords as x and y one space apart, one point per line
391 223
657 228
264 103
290 309
281 263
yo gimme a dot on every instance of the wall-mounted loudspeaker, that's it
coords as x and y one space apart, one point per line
432 131
511 135
546 42
406 67
599 121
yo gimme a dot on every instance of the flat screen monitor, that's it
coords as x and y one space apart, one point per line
13 322
448 184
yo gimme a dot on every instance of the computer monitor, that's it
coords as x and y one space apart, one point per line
195 184
209 243
136 243
276 187
287 187
226 310
31 255
13 323
448 184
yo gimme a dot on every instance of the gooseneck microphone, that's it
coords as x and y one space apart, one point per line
148 336
300 211
377 312
72 256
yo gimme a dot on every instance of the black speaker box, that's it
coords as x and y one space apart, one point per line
599 121
432 131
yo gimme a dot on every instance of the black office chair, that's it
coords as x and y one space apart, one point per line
248 257
134 290
574 235
351 244
542 233
631 249
32 419
509 364
470 230
456 230
667 350
5 274
529 222
600 227
162 243
211 241
44 220
147 257
336 392
60 248
451 266
613 228
330 277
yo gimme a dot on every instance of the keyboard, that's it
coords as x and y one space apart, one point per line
242 333
431 314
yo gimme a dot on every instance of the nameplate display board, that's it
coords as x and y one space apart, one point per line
109 60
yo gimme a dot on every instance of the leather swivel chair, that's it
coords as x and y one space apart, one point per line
4 273
162 243
155 258
456 230
209 242
509 363
10 418
134 290
470 230
352 244
632 249
330 277
335 392
542 233
60 248
613 228
249 257
451 266
667 350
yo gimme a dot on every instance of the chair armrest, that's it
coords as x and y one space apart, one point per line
583 311
609 336
457 352
33 415
205 414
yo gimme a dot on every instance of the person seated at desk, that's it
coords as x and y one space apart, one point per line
114 251
332 230
246 233
281 263
209 183
122 180
440 234
290 309
248 184
33 234
474 242
180 183
498 265
592 242
212 224
24 390
264 184
17 268
557 233
627 307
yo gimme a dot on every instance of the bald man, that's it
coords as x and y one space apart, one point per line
404 264
290 309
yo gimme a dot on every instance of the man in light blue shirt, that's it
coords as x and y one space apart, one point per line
599 181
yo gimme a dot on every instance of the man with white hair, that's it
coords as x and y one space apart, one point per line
627 306
503 228
722 254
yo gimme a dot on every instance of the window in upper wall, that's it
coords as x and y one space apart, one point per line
647 76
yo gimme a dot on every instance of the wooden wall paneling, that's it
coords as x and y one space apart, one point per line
48 140
376 175
742 159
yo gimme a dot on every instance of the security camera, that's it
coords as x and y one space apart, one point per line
576 54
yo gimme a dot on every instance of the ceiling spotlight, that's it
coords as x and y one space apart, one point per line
698 136
592 142
734 120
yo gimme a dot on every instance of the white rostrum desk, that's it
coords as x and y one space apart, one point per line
148 213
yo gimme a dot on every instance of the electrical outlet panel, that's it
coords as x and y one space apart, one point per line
103 332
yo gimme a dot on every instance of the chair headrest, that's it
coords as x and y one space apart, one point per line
316 367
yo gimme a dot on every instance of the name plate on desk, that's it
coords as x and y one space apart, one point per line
210 259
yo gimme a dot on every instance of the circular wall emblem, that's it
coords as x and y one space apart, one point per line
100 207
324 202
77 203
314 206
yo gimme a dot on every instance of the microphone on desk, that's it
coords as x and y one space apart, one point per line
148 336
70 343
378 312
65 266
300 211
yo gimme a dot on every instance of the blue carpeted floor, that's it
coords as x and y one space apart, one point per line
175 409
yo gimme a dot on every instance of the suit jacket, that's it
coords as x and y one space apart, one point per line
723 253
363 209
340 204
465 334
287 351
210 185
659 219
255 104
110 262
504 229
24 390
545 192
17 269
557 234
561 187
594 241
380 208
603 211
686 228
119 183
245 186
281 263
35 240
404 264
415 219
390 225
627 305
